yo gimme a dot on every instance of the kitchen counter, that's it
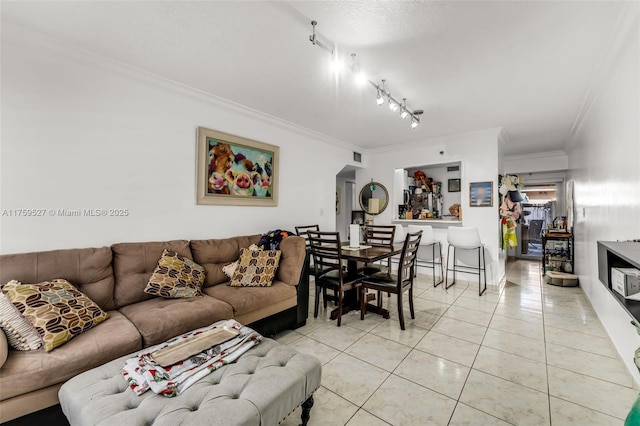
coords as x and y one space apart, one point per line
433 222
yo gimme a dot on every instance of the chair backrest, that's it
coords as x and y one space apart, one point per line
535 228
301 231
380 235
465 237
326 250
407 264
427 233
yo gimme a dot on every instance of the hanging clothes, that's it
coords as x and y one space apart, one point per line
510 212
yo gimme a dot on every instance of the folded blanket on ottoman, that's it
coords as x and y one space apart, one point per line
142 372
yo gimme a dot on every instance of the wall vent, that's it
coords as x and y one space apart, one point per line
357 157
453 168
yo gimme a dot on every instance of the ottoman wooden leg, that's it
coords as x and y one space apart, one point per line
306 410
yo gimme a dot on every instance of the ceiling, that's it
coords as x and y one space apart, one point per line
473 65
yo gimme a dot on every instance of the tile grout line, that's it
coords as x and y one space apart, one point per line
471 367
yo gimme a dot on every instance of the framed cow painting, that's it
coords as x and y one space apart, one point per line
236 171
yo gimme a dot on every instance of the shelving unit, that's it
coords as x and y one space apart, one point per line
557 252
619 254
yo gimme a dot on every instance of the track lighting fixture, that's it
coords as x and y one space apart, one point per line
403 109
360 78
381 93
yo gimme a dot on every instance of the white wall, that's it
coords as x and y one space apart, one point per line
604 162
79 131
478 154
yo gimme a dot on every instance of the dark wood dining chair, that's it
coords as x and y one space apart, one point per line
396 284
326 250
301 231
379 236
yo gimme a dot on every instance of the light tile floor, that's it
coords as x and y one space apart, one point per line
523 353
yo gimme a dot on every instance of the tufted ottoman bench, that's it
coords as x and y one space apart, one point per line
262 388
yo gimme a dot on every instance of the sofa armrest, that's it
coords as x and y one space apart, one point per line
4 348
294 251
303 292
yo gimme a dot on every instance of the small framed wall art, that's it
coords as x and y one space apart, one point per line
481 194
232 170
454 185
357 217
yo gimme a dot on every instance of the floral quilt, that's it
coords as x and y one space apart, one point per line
142 373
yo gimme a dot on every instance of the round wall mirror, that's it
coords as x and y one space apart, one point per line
374 198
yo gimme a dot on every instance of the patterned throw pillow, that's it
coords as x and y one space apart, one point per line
176 277
230 269
20 333
56 309
256 268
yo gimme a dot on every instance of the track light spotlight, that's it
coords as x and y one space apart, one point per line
414 123
381 94
392 105
403 109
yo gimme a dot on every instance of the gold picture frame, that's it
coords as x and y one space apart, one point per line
235 171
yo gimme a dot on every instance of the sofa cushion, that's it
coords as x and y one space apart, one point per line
57 310
176 277
213 255
247 299
230 269
24 372
160 319
22 336
133 265
256 268
88 269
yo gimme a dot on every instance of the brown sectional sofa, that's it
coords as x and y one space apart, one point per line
115 277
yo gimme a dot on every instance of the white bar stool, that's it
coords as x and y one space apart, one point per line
428 255
465 242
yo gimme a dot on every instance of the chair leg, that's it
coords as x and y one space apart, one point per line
317 301
433 259
454 265
413 312
440 256
324 297
379 299
446 276
446 281
484 270
363 302
339 307
400 310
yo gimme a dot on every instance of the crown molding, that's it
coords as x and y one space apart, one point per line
625 27
554 154
25 37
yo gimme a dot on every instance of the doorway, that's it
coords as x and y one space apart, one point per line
345 200
544 201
